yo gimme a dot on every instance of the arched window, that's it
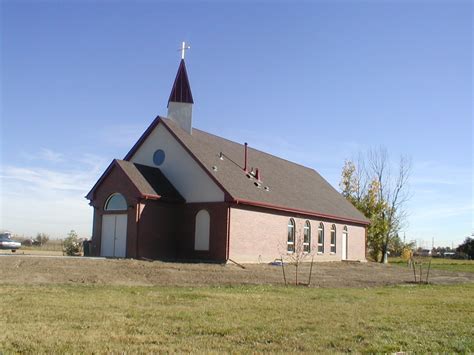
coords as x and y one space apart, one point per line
321 238
116 202
307 237
201 233
290 244
333 238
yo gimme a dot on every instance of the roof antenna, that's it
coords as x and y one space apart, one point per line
183 49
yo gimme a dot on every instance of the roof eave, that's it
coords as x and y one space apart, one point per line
142 138
90 194
296 210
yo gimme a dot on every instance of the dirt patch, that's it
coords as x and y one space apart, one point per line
29 252
43 270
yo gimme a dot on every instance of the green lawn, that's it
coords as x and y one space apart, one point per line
91 318
440 264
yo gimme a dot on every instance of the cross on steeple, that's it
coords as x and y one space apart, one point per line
183 49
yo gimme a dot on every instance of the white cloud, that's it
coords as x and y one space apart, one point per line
50 155
437 173
440 212
441 206
47 179
122 135
49 200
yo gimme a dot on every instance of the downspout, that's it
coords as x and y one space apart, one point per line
139 210
365 243
228 234
139 207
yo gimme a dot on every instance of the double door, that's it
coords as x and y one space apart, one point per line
114 235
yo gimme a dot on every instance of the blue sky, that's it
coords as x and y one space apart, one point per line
313 82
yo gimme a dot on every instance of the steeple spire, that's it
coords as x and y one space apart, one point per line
180 103
181 91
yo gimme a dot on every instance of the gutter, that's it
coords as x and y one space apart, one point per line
150 197
295 210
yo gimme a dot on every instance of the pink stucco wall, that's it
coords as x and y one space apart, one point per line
260 236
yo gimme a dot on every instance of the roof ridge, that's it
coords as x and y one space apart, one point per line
257 150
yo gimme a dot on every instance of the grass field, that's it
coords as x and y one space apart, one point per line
440 264
51 245
93 318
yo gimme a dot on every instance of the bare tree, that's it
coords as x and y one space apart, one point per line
393 191
381 192
299 252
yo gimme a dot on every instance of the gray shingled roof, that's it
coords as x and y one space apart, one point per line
290 185
150 181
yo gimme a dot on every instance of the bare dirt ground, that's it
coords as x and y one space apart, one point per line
32 252
18 269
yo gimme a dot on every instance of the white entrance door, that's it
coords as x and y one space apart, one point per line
344 246
114 235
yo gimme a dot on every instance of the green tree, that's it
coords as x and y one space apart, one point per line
467 247
41 238
72 244
397 246
380 195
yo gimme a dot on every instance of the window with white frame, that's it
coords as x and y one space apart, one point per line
116 202
290 243
307 237
321 238
333 239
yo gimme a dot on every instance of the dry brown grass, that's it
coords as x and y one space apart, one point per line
40 270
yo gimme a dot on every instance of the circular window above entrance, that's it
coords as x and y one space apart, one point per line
159 157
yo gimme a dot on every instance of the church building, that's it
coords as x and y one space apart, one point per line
184 194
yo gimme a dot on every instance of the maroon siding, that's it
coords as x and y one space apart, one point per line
157 230
218 232
164 230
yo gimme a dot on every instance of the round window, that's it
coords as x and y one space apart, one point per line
159 157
